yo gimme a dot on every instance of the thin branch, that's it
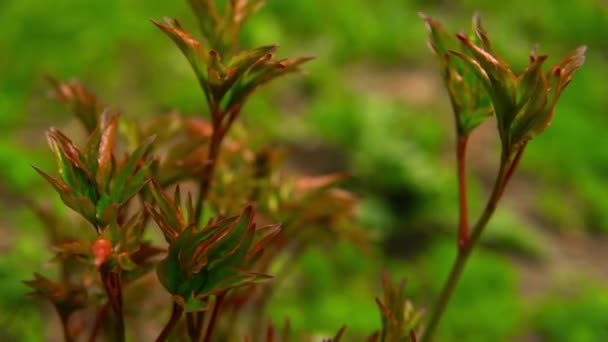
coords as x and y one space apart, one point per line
463 226
464 253
65 325
216 310
219 132
208 170
113 285
101 317
191 323
513 165
176 313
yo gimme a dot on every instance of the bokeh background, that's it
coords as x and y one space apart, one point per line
372 105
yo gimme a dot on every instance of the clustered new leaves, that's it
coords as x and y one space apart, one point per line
226 79
201 261
524 104
400 321
208 260
92 181
197 264
222 30
470 103
476 76
82 102
65 298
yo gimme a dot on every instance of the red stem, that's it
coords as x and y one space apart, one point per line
513 166
207 174
176 313
101 316
463 226
203 191
214 314
113 286
191 323
200 320
65 325
219 132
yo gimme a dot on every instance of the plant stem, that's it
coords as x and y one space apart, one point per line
513 165
65 325
101 316
463 225
208 170
200 320
192 326
465 252
214 314
194 320
176 313
219 132
113 285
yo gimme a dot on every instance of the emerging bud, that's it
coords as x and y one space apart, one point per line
478 78
524 104
210 260
471 103
102 251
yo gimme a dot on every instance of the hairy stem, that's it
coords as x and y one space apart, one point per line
465 252
176 313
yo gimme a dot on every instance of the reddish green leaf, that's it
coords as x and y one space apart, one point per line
208 16
105 152
237 238
71 167
125 262
84 103
77 250
82 205
191 48
264 236
170 209
225 278
127 181
262 73
65 298
238 67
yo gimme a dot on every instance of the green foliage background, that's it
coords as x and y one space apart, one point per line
373 104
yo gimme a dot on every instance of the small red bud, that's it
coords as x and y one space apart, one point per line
102 249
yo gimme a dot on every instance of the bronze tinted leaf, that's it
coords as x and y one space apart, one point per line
105 152
82 205
84 103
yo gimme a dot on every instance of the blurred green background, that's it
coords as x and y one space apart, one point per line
373 105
